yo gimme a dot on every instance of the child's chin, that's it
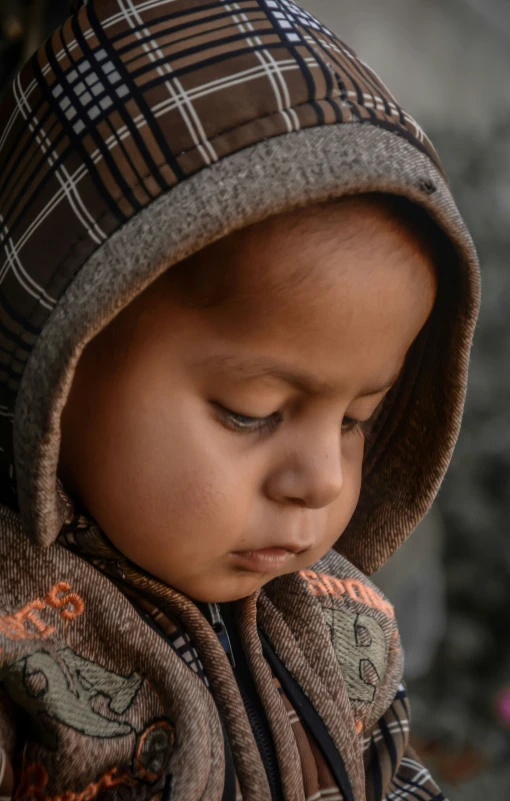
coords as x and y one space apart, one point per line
225 591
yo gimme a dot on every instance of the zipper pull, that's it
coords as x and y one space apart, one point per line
221 631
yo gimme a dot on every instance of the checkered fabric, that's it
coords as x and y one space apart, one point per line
128 99
175 636
393 771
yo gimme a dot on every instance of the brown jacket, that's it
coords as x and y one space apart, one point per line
121 682
139 133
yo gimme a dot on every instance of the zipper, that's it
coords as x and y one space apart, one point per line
308 715
221 631
231 643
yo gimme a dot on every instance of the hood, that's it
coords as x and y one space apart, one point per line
142 131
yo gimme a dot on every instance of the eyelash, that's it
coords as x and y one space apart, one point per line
248 425
353 426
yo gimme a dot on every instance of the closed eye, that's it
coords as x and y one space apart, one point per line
245 424
352 426
248 425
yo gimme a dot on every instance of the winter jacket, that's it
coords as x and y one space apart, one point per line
140 132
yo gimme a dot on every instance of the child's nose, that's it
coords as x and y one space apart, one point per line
310 475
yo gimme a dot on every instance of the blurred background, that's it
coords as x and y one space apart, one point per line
448 63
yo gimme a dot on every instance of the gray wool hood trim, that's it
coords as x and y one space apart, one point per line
294 170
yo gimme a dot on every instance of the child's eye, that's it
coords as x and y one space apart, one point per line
248 425
352 426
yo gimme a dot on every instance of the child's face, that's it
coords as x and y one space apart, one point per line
323 307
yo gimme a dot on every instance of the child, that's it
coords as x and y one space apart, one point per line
202 464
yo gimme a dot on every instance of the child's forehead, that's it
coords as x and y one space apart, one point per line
320 318
307 249
237 365
337 223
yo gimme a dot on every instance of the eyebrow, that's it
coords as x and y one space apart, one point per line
262 367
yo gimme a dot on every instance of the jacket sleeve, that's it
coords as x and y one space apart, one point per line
392 768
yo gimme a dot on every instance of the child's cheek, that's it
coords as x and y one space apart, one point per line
352 466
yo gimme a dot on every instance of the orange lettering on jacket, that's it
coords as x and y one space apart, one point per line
321 584
35 779
27 624
70 604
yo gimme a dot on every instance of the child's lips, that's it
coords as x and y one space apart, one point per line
265 560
